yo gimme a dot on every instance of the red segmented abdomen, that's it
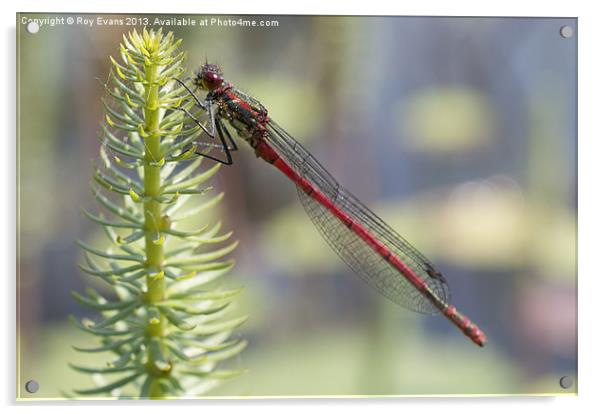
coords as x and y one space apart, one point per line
469 329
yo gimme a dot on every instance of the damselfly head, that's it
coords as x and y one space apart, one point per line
210 77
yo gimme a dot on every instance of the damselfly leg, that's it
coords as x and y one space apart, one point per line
200 104
220 128
217 128
228 135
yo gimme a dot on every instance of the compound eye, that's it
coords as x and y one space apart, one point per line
212 80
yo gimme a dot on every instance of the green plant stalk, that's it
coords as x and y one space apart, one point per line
164 302
152 213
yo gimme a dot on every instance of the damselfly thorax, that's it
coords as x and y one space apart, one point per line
247 116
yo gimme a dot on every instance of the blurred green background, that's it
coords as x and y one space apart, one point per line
459 132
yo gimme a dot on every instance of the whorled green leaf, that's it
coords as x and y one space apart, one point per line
104 370
103 332
119 316
194 311
113 272
115 209
195 345
146 385
100 306
205 267
130 238
100 220
125 357
220 326
133 341
116 281
218 374
202 258
200 347
109 139
194 211
191 281
100 253
175 318
109 387
222 354
199 295
194 181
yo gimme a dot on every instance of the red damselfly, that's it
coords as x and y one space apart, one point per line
380 256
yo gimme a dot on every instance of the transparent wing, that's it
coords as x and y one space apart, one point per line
354 251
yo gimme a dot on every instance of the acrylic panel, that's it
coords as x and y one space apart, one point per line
161 256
